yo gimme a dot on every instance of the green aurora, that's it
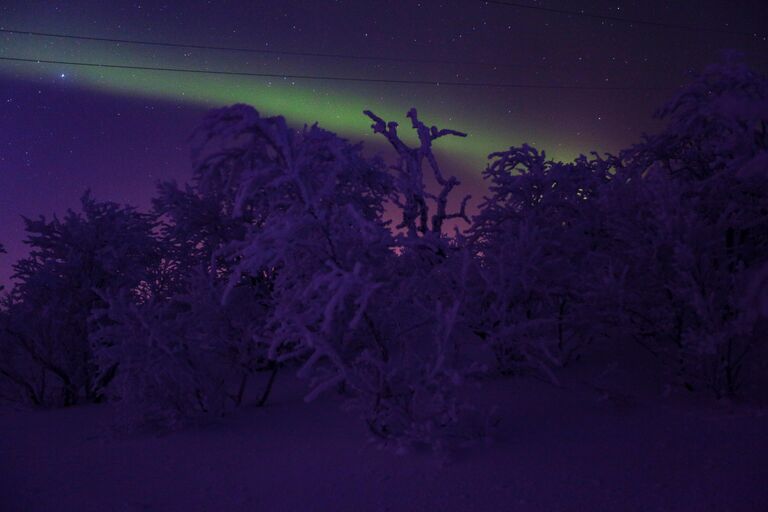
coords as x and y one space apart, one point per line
336 106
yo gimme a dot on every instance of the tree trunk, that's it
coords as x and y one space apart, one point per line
273 365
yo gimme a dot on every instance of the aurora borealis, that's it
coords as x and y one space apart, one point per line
65 128
336 106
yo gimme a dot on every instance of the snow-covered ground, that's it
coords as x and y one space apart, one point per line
575 448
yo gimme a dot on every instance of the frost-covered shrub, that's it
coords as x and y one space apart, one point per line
196 354
412 391
688 227
715 123
159 381
46 325
355 303
195 222
681 283
537 236
184 357
657 246
21 378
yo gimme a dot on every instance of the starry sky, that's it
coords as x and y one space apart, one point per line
590 82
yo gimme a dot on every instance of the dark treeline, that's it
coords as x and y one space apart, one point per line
277 257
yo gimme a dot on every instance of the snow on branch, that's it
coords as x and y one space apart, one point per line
411 176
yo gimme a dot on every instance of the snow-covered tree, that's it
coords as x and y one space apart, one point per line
423 306
536 236
355 304
715 123
657 246
688 223
184 356
46 326
411 194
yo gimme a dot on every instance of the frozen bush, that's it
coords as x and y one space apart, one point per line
537 235
182 358
46 324
688 224
357 304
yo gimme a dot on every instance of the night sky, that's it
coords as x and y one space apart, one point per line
65 128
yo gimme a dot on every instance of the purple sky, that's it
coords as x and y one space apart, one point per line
63 129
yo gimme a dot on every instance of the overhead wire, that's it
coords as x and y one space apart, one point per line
264 51
339 78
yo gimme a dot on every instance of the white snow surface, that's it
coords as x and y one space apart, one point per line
588 446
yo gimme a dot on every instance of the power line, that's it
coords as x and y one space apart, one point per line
264 51
606 17
438 83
